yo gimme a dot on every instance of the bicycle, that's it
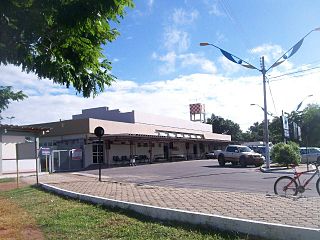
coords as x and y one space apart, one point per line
291 186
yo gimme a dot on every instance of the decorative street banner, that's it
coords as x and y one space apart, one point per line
285 126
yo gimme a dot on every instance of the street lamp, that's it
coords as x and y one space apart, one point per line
299 105
269 113
10 118
263 70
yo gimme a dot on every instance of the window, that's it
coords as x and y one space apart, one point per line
97 153
245 149
231 149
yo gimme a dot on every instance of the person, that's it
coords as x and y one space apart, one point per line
133 160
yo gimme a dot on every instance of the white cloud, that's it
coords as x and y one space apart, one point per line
168 60
271 54
228 66
191 59
182 17
223 96
150 4
213 8
175 39
171 61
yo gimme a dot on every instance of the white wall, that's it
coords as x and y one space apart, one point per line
26 155
24 165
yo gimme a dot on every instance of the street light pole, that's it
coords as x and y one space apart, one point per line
265 126
263 70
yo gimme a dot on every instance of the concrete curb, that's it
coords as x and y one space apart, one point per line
276 170
255 228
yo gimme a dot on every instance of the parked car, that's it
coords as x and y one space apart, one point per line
239 154
213 154
261 150
310 154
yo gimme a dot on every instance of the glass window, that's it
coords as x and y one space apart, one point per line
97 153
231 149
245 149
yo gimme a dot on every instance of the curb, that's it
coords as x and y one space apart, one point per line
255 228
276 170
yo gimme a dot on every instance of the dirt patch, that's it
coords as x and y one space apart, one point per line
6 186
15 222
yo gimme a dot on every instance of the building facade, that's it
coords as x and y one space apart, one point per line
127 135
19 147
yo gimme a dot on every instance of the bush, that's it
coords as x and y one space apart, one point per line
286 154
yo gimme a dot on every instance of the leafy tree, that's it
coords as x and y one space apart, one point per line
225 126
7 95
286 154
61 40
310 125
309 121
254 133
275 130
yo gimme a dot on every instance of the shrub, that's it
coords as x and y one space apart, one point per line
286 154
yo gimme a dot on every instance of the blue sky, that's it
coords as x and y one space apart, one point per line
161 68
155 29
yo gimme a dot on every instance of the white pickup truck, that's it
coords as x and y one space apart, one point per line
239 154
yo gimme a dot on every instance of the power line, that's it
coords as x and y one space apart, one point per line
274 105
300 75
291 73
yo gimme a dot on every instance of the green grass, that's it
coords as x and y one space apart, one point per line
4 180
61 218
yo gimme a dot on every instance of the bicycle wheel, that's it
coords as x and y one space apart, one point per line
285 186
318 185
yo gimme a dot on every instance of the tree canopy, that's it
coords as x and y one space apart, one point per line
309 121
225 126
7 95
61 40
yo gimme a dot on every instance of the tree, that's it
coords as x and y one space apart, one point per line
225 126
254 133
309 121
275 130
61 40
7 95
286 154
310 125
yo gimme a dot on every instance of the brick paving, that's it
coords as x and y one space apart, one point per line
298 211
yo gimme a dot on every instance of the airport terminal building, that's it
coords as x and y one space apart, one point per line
148 137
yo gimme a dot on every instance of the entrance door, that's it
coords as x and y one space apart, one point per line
195 151
166 151
62 161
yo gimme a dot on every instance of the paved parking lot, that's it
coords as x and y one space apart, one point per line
199 174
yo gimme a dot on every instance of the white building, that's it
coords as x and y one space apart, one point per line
150 137
19 148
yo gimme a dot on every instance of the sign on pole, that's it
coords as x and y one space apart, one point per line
45 151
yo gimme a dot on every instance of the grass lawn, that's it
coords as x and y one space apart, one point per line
4 180
47 216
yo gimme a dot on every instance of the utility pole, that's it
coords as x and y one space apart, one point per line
233 58
266 130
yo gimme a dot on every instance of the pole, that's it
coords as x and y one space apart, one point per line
17 165
36 148
100 156
46 163
266 130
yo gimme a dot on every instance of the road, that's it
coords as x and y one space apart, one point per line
200 174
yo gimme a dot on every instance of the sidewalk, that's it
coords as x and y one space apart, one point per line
297 213
299 168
